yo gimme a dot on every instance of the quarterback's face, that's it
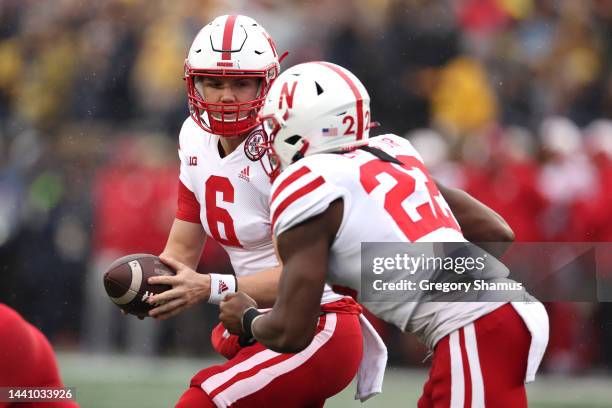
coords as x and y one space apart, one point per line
228 91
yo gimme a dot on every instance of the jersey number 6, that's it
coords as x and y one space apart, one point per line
216 215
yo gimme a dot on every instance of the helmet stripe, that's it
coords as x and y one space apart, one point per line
271 42
355 90
228 34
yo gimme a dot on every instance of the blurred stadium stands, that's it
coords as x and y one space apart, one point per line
510 100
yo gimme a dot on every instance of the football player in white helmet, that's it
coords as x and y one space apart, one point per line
336 188
224 194
237 51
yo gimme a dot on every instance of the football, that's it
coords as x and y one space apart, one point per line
126 282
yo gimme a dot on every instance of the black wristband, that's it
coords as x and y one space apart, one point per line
244 341
247 320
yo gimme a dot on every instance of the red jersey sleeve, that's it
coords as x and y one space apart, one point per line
188 208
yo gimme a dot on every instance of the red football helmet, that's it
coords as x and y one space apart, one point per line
233 46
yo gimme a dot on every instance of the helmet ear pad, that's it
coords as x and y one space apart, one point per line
302 146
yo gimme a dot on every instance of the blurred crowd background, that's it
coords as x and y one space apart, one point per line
510 100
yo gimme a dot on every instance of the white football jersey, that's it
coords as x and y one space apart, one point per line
383 202
233 192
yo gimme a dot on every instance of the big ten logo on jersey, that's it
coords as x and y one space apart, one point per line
255 145
409 196
193 160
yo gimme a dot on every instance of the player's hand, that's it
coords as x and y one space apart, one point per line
188 288
231 310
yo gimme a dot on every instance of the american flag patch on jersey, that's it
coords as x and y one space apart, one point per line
329 131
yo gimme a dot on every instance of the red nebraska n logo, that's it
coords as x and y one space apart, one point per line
288 95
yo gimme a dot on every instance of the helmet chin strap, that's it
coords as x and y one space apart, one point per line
229 129
234 127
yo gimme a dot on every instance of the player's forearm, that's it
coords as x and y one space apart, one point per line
304 251
291 325
478 222
185 243
180 254
262 286
278 334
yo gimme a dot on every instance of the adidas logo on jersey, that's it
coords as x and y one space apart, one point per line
222 287
244 174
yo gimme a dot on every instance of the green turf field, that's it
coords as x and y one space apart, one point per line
118 382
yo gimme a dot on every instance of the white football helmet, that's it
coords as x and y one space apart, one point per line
230 46
311 108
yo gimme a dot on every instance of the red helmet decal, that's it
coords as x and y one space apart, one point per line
288 95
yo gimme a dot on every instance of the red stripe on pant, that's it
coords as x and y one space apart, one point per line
502 348
268 363
466 370
329 370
